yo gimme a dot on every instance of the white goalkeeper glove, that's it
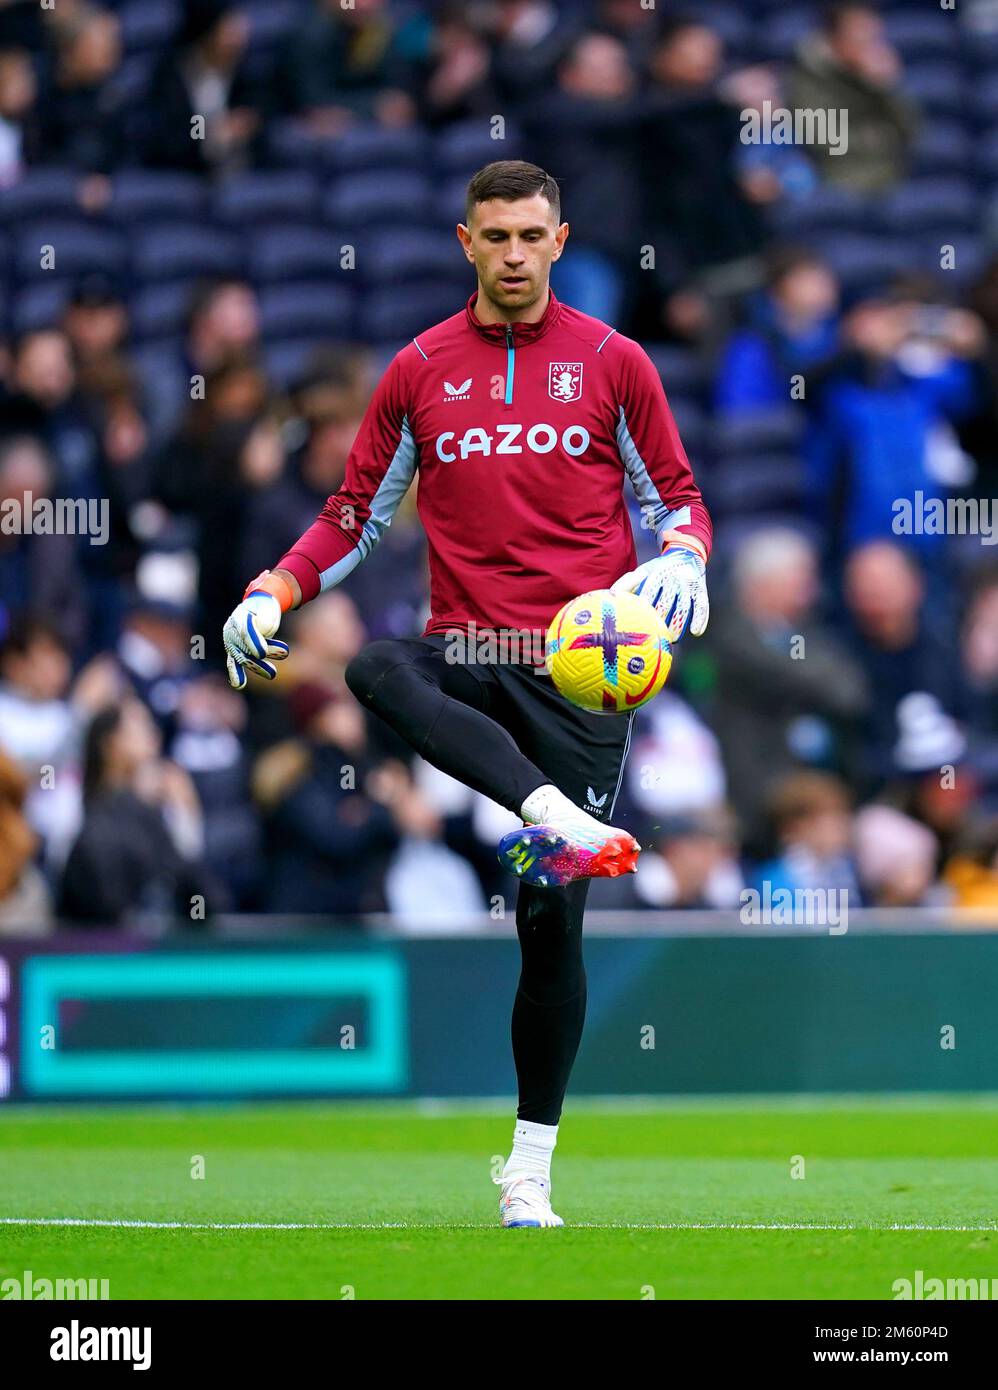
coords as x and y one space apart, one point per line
248 636
675 584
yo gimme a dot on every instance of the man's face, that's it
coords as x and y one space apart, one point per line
511 246
858 30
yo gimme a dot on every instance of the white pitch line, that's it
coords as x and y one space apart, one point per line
98 1222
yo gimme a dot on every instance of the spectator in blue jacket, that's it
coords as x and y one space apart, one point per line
792 329
885 429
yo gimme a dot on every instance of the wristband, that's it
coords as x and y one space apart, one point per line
685 542
273 584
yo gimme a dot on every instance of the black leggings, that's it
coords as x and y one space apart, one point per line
444 711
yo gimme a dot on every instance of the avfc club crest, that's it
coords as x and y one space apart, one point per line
565 381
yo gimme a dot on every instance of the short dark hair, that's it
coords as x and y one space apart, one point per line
511 179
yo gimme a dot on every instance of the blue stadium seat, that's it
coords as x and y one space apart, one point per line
787 28
183 251
465 146
694 429
865 262
755 483
683 372
286 361
408 254
369 146
985 97
448 207
160 311
165 388
941 149
43 192
129 87
357 201
777 430
290 145
938 88
399 313
949 205
270 21
148 24
39 306
274 195
980 50
969 255
282 253
305 309
79 246
145 195
920 33
730 21
986 157
827 208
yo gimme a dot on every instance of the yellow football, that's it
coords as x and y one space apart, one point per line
608 653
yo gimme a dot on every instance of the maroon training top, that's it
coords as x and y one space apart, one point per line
522 435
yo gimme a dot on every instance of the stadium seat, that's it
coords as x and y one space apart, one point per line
986 157
979 50
969 255
367 147
787 28
865 262
946 205
288 144
682 371
467 145
941 149
759 431
129 88
144 195
740 486
285 362
307 308
449 203
358 201
985 98
39 306
183 251
43 192
694 430
399 313
160 311
922 34
270 21
938 88
827 208
165 388
247 200
282 253
148 24
78 246
410 253
731 22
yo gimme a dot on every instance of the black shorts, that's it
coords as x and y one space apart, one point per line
582 753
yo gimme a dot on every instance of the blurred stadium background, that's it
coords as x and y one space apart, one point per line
826 327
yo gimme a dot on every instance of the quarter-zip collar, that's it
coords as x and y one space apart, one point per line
521 332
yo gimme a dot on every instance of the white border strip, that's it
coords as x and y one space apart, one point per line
99 1223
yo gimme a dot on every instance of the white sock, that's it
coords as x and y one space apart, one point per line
533 1145
539 805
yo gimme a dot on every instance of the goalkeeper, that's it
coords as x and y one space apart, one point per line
523 417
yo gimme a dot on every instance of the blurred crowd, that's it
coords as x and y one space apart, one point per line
219 220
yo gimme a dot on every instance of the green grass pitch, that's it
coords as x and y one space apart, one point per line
326 1201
